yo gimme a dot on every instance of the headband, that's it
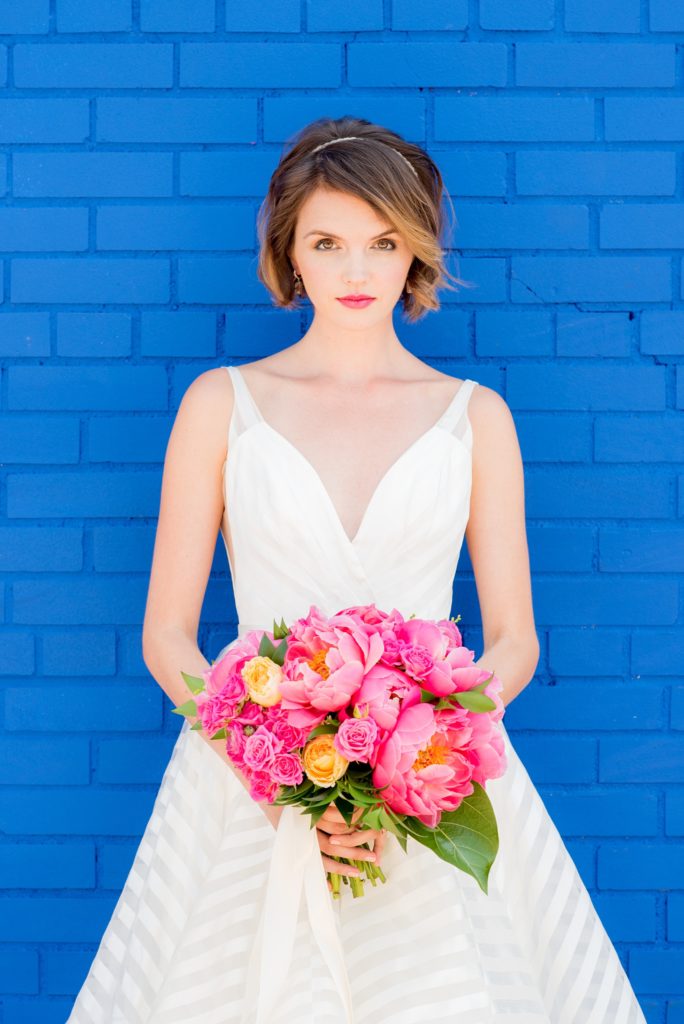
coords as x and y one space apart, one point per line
344 138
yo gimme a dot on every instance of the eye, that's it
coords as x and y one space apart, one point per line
318 244
390 242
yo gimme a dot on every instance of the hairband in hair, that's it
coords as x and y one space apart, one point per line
344 138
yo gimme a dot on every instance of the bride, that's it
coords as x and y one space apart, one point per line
339 471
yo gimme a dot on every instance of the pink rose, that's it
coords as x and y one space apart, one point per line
417 661
260 748
355 739
286 769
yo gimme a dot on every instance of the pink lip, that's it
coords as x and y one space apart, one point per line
356 303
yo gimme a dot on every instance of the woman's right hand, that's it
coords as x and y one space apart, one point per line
332 824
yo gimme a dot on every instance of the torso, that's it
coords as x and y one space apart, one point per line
366 428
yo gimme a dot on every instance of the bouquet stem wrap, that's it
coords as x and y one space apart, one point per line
296 866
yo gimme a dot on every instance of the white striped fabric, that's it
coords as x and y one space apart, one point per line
427 947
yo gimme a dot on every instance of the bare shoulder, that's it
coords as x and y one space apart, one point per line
205 409
494 430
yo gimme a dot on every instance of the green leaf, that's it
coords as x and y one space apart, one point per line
474 701
196 727
195 683
468 837
220 735
187 709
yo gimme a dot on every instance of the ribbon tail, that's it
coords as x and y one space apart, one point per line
271 953
324 927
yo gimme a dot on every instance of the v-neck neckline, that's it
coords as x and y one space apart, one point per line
316 476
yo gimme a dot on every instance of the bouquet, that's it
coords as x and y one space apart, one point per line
369 710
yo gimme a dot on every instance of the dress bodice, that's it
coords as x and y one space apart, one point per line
290 549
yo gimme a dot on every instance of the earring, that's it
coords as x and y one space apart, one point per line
299 284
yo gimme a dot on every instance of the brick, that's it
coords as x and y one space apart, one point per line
593 334
627 918
608 16
504 226
24 334
574 706
82 709
590 388
674 823
255 66
662 332
80 602
37 440
198 226
131 760
524 16
641 759
590 279
32 229
432 14
17 656
345 16
93 65
41 549
432 64
551 438
239 172
626 549
658 970
472 172
35 1011
47 866
523 118
560 548
595 65
542 172
65 971
79 652
641 118
511 333
82 811
587 652
126 439
658 654
33 17
43 120
123 548
646 439
79 175
675 917
176 120
577 492
639 865
665 17
613 812
264 16
677 721
92 281
177 16
602 602
87 387
646 226
45 761
284 115
54 918
91 493
555 759
102 335
18 968
178 334
95 16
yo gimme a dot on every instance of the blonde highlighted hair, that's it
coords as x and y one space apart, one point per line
372 166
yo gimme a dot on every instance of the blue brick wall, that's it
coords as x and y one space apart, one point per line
137 140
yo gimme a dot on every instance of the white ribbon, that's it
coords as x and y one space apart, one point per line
296 865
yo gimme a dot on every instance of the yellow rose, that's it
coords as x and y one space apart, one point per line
262 678
323 763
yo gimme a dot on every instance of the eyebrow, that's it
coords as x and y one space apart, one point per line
329 234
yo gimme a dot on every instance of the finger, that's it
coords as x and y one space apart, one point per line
339 867
379 845
356 838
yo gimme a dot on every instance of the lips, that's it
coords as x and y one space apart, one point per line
354 302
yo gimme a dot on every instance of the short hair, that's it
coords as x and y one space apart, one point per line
372 167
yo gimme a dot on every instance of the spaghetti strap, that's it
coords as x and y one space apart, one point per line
455 416
245 410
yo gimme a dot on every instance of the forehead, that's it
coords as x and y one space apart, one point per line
338 212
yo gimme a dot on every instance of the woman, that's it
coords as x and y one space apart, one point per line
340 471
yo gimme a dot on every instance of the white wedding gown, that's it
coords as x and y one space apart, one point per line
218 905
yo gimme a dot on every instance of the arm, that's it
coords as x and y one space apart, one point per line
190 512
497 545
